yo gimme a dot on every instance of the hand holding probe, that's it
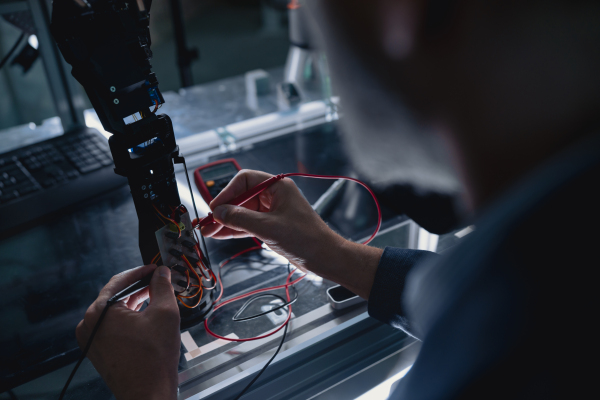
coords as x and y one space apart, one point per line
249 194
131 289
244 197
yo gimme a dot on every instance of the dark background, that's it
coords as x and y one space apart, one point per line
232 36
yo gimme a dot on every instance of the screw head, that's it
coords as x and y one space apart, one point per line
149 186
145 195
143 187
116 101
113 89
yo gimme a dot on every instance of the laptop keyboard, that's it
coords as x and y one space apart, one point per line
52 163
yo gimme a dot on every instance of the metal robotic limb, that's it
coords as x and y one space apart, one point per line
107 42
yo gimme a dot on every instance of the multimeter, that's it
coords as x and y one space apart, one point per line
213 177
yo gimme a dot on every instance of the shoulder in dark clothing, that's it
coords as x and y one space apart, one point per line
509 312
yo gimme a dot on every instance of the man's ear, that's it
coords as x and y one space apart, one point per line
400 22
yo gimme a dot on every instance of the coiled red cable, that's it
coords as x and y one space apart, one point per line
247 196
348 179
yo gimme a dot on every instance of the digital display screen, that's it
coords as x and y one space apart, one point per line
210 174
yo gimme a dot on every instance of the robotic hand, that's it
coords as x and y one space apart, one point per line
107 42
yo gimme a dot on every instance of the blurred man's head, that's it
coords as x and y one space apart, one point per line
499 85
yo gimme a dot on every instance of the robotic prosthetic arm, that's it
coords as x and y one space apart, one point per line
107 42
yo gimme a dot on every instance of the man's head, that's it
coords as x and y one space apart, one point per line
499 85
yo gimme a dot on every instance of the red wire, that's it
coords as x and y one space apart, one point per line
349 179
239 254
226 262
287 292
287 284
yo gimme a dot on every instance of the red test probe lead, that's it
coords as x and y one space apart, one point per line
243 198
256 190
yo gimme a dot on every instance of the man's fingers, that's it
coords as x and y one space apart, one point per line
211 230
238 218
122 280
243 181
228 233
138 298
161 291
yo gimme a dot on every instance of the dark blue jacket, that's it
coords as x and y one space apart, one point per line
509 313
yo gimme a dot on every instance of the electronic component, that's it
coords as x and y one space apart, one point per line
179 268
340 297
187 276
213 177
176 253
183 284
193 259
172 235
188 244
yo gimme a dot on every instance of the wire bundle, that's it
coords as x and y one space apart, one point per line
206 272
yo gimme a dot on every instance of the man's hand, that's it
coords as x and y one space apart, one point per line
136 353
282 218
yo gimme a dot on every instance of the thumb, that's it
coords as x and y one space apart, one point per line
242 219
161 290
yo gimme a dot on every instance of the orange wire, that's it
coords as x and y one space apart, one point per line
185 305
197 276
155 258
199 292
169 219
155 106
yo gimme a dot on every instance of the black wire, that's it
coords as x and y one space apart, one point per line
85 350
205 250
12 50
252 299
190 186
205 253
266 365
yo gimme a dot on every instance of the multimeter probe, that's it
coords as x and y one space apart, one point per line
256 190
